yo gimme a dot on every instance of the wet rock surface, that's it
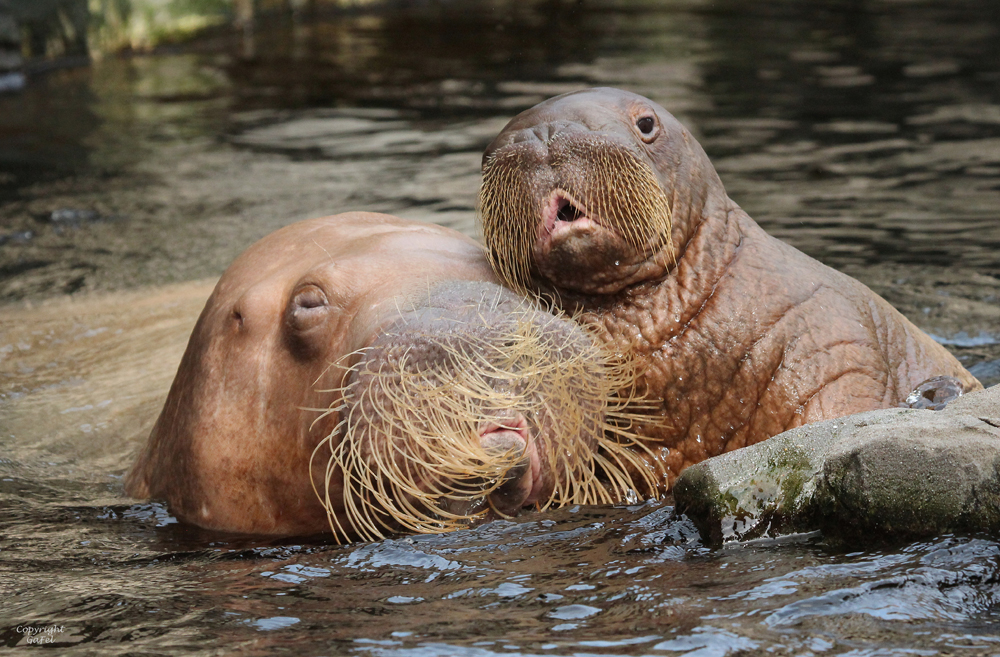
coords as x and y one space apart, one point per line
880 476
11 77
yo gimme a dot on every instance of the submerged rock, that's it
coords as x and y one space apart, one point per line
11 76
884 475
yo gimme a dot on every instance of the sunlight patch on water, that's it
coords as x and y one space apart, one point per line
275 623
707 642
963 339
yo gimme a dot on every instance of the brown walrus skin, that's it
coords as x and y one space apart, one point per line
341 314
740 335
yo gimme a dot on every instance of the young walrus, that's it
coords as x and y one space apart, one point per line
604 202
365 374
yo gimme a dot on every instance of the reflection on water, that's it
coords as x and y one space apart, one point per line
866 133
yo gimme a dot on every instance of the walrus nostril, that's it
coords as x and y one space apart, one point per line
544 133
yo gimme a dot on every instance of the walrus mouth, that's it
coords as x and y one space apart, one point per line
518 409
561 211
565 209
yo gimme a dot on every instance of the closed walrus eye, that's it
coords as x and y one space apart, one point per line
307 309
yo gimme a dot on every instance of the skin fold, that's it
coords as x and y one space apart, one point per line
737 335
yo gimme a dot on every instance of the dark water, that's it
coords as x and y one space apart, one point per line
865 133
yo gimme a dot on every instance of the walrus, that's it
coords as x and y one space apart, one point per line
603 202
366 375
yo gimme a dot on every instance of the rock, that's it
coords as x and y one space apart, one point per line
10 34
11 77
52 28
880 476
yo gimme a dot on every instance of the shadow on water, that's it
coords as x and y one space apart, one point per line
865 133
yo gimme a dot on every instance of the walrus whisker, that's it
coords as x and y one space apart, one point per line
323 249
616 464
385 501
616 480
409 454
619 189
402 510
352 497
323 414
340 363
324 411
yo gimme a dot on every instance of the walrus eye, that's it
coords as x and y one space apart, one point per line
307 308
647 126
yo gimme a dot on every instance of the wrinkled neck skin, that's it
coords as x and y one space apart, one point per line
689 345
738 336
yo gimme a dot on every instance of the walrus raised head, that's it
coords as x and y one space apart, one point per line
366 374
603 201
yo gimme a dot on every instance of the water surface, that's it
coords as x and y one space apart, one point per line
864 133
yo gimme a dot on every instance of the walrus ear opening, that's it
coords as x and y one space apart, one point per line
308 308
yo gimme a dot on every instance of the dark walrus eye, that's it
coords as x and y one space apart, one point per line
647 126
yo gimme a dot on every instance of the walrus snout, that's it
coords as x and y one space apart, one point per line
577 206
517 486
473 403
553 143
448 406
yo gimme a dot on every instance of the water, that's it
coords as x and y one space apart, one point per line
865 133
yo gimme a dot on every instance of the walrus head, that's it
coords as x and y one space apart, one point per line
366 374
581 192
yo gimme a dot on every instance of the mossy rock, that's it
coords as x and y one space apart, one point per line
881 476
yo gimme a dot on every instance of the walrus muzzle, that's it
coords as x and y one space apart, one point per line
460 412
580 200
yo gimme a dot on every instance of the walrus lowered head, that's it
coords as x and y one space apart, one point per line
365 374
602 201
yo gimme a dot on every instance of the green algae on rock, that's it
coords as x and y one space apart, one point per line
879 476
